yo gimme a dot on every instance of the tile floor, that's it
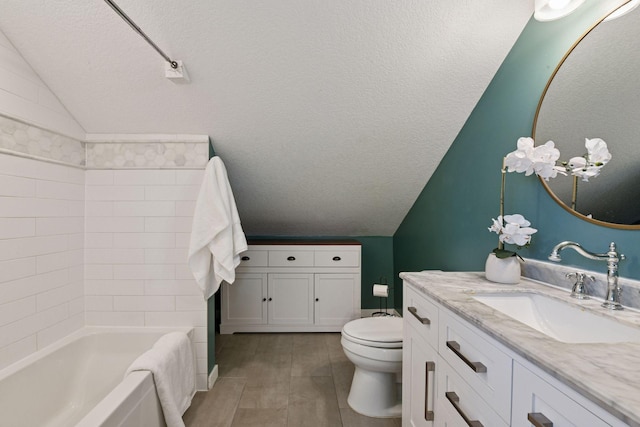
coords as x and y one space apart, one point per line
280 380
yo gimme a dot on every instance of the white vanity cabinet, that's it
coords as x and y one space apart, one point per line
449 371
419 360
468 378
293 288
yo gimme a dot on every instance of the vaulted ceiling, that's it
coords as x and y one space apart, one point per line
330 115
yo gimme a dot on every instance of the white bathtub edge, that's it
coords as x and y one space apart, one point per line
87 330
120 402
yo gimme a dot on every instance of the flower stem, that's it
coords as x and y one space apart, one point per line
504 174
574 193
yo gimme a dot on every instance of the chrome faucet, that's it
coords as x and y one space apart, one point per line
612 300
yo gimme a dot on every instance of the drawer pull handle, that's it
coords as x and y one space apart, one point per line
245 258
291 258
429 367
476 366
455 400
539 420
423 320
337 258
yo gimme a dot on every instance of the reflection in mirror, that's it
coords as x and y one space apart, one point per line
595 94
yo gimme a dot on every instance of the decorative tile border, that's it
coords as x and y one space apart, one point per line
105 151
147 155
35 142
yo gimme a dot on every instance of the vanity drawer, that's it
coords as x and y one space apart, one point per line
422 315
337 258
253 258
456 399
485 367
291 258
533 395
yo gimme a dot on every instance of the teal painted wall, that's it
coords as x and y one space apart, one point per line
377 264
446 229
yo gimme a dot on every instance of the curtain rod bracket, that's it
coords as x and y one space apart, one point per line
175 65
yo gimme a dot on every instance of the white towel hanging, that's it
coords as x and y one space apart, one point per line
217 239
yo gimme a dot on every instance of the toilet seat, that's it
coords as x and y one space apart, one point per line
380 332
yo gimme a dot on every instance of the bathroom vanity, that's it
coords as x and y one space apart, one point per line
292 286
466 363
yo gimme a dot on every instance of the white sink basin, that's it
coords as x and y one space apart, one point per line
559 320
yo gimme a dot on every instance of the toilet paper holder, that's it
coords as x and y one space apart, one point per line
382 292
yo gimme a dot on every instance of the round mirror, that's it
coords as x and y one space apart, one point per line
594 94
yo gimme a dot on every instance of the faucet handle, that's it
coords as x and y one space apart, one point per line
579 291
613 252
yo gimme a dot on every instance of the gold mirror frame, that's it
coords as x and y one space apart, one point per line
533 134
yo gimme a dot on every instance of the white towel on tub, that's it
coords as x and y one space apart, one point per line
217 239
172 364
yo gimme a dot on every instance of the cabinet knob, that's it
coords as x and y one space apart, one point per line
336 258
264 299
245 258
270 299
291 258
317 299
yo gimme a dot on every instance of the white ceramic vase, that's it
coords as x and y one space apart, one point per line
502 270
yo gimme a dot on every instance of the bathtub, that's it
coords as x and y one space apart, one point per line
79 381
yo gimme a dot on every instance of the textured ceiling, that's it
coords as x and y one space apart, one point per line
330 115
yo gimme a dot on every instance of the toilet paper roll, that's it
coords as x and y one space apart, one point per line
381 291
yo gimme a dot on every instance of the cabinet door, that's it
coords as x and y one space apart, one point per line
290 299
418 380
334 298
244 302
533 395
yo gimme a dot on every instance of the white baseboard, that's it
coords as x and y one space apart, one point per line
368 312
213 377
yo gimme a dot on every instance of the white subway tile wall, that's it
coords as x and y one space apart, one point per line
41 247
136 256
94 246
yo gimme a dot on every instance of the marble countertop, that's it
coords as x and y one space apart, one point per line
606 374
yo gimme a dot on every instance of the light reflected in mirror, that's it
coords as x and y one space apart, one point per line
596 94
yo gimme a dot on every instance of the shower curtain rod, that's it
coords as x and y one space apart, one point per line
137 29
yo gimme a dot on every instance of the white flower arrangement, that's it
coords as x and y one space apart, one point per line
529 159
541 160
513 229
589 165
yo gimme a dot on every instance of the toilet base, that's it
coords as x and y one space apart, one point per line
375 394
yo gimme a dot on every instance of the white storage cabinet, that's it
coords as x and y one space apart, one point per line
293 288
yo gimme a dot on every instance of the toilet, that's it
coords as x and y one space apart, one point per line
374 346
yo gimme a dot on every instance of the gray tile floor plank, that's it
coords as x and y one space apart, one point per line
280 380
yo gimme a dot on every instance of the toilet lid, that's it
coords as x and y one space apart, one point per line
378 331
